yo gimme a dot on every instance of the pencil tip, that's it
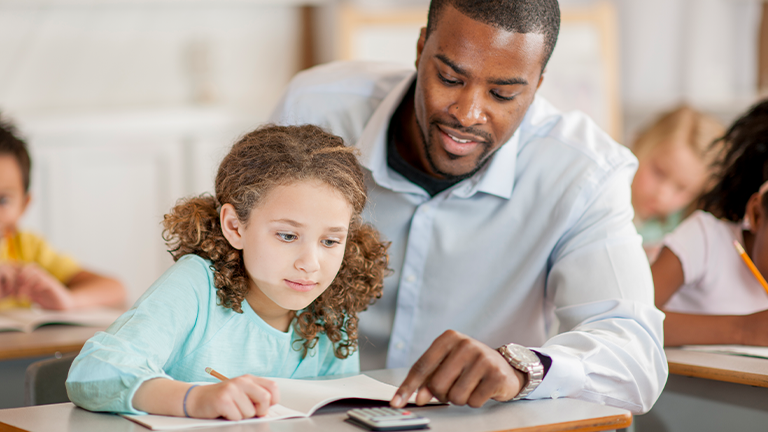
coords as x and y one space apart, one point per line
208 370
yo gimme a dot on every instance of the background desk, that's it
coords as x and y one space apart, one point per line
710 392
540 416
18 350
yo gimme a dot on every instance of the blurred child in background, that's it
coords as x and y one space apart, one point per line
702 284
674 157
31 272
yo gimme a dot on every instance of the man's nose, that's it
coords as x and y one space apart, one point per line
469 108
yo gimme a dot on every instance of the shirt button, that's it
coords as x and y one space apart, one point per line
410 278
399 345
555 394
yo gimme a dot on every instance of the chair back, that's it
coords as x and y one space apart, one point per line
44 382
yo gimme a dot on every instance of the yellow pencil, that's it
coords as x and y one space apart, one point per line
751 265
216 374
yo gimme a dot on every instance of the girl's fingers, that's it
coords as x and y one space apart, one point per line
242 400
271 387
259 397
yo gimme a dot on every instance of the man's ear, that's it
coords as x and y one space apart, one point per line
230 226
755 212
420 45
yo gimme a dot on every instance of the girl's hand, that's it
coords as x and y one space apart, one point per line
235 399
37 285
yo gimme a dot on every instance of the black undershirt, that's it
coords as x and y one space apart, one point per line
430 184
433 187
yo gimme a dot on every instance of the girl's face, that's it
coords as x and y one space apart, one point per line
668 178
293 246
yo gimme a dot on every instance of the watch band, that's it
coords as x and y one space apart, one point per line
524 360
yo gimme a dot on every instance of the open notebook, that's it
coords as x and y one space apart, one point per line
29 319
298 398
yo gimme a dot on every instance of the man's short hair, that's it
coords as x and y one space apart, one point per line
12 145
518 16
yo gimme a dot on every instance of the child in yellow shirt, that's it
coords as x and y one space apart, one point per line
30 270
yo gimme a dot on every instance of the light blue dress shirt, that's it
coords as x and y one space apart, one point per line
537 248
176 330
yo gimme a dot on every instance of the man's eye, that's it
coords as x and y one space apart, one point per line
287 237
3 200
447 80
502 98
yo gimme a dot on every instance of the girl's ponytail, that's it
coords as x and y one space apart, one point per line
193 227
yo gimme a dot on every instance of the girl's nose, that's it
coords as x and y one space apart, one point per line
308 260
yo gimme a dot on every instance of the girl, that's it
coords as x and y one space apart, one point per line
703 285
269 277
674 155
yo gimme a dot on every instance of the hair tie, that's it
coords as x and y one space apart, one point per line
184 405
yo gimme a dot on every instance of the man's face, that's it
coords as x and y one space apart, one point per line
474 85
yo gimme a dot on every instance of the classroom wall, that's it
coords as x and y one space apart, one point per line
130 104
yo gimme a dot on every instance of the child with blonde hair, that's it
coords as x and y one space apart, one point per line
270 275
702 284
674 156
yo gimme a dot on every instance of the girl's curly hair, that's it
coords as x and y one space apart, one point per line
279 155
744 165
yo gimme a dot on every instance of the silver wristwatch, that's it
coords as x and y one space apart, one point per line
524 360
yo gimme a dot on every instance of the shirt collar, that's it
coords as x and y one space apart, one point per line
495 178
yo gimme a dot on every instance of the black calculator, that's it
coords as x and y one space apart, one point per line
387 419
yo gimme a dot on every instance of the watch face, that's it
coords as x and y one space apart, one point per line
522 354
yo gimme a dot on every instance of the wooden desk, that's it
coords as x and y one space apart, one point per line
45 341
18 350
728 368
707 391
522 416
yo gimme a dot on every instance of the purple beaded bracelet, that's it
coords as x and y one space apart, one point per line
184 405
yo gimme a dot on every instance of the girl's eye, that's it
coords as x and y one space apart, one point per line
329 243
3 200
287 237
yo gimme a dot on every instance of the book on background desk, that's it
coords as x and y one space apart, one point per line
298 398
740 350
29 319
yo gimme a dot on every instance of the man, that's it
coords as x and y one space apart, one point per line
510 222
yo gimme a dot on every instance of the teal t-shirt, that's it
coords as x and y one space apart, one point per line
176 330
653 230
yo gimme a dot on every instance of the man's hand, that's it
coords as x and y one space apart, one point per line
37 285
462 371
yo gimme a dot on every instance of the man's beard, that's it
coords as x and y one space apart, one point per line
428 144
